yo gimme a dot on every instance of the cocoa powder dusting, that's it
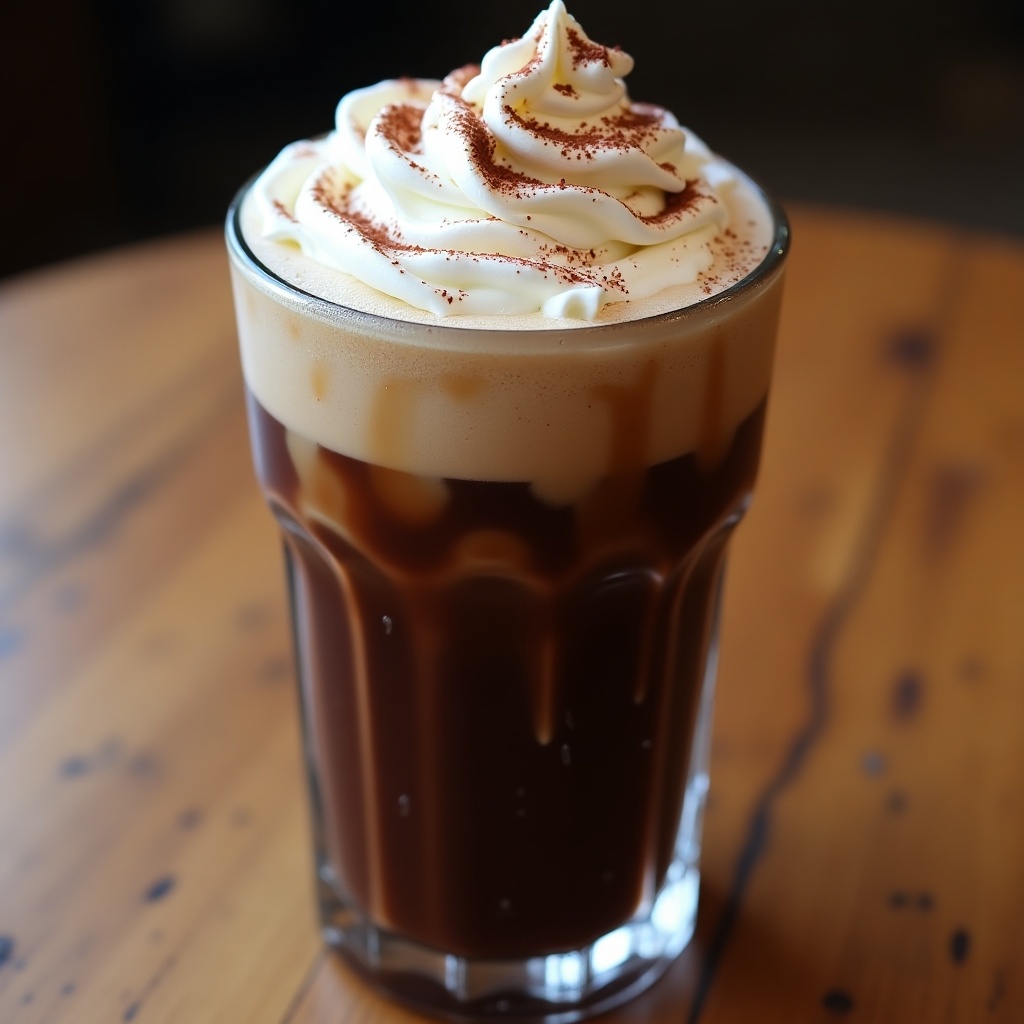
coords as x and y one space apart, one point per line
581 257
389 243
737 264
630 129
401 126
284 211
637 120
524 71
584 51
455 81
677 203
480 145
376 233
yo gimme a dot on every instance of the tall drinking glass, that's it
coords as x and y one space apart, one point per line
505 552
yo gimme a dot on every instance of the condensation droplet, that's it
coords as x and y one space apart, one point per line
566 755
404 805
388 624
569 720
505 906
646 745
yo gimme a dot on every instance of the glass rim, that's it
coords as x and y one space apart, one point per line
337 313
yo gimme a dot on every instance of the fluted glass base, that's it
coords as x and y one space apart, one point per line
557 989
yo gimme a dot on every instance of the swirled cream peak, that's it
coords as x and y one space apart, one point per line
530 184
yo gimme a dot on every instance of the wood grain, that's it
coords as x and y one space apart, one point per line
864 850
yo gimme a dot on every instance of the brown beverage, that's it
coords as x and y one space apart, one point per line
502 694
505 538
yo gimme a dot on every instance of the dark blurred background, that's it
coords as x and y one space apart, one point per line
123 119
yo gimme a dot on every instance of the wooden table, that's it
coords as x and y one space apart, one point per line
864 854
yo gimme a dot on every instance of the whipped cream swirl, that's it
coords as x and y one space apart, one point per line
531 183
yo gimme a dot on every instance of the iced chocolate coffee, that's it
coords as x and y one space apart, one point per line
507 340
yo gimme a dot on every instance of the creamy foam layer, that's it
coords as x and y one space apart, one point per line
557 409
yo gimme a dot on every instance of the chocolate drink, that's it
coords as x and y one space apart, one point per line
504 554
507 340
511 782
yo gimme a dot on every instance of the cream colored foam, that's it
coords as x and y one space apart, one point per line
531 184
749 221
533 402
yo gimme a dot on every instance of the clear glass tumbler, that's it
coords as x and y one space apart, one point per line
505 553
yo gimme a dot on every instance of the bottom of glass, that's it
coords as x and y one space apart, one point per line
558 988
